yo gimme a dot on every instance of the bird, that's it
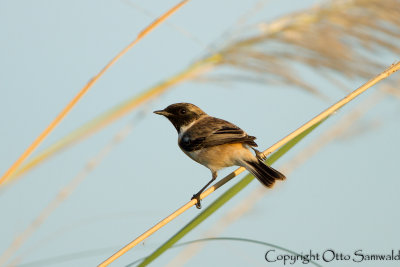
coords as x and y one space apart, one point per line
216 144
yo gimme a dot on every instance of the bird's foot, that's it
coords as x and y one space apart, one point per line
260 155
197 197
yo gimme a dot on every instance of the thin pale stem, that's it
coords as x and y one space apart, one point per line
86 88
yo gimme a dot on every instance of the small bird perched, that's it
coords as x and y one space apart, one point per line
216 144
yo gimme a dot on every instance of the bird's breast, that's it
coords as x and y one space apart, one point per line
218 157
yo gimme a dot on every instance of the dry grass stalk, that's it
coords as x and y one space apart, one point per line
312 122
86 88
173 26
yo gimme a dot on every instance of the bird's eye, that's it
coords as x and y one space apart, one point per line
186 140
182 111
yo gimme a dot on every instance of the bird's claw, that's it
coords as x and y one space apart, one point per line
260 155
197 197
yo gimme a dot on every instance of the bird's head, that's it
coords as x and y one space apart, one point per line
181 114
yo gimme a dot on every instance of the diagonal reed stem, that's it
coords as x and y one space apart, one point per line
323 115
86 88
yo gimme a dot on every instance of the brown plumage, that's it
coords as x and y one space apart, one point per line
216 144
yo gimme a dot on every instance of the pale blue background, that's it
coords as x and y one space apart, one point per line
345 197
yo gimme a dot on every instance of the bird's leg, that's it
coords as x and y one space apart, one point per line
197 195
259 155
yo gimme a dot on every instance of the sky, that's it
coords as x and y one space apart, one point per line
343 198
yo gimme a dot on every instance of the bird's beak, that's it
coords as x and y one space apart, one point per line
162 112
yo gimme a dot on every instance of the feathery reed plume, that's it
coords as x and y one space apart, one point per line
319 118
331 37
86 88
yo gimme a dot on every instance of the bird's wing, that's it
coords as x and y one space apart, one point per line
212 131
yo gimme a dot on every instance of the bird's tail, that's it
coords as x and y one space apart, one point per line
264 173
